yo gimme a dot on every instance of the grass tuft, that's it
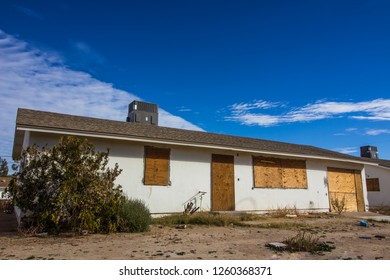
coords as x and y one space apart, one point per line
283 212
306 242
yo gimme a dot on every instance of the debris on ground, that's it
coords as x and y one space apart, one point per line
277 245
365 237
363 223
181 226
291 216
380 236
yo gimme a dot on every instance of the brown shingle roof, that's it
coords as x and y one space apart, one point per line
385 163
380 162
77 124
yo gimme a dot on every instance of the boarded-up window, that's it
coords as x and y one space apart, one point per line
279 173
372 184
156 166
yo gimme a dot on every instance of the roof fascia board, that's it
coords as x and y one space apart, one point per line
384 167
163 141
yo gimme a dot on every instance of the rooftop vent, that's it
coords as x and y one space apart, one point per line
369 152
143 112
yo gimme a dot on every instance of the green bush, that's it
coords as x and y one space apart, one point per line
67 187
134 216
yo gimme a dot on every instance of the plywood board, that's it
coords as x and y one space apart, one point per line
222 181
359 191
294 174
372 184
267 172
341 180
350 200
156 166
346 183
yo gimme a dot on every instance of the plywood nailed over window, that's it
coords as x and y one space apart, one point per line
279 173
156 166
372 184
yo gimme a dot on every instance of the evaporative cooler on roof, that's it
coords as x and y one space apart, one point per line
143 112
369 152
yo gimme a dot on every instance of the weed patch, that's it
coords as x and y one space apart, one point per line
283 212
307 242
206 218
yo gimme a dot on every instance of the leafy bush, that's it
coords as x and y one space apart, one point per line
134 216
67 187
3 167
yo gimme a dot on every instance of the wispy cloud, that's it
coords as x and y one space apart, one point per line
378 109
374 132
347 150
184 109
28 12
31 78
86 53
239 108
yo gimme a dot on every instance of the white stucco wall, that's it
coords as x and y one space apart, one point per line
190 172
381 198
315 197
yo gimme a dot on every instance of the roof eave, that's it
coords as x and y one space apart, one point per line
22 128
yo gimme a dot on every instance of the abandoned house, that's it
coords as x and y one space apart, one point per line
171 169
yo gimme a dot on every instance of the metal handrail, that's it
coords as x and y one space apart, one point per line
191 205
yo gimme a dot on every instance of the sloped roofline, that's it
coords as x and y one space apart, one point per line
41 121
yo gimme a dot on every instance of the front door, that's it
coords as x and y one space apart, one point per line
222 183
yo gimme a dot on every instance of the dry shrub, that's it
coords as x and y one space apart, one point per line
306 242
283 212
339 205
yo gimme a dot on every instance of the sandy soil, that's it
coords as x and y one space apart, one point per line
351 241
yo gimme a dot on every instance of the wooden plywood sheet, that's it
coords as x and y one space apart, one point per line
346 183
359 191
267 172
341 180
372 184
156 166
294 174
350 200
222 177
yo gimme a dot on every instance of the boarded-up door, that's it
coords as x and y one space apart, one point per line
222 183
346 184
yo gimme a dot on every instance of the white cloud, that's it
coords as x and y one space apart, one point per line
86 53
30 78
256 119
378 109
239 108
347 150
375 132
183 109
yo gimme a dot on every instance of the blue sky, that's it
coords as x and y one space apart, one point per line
307 72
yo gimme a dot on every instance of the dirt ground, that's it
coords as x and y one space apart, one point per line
351 241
